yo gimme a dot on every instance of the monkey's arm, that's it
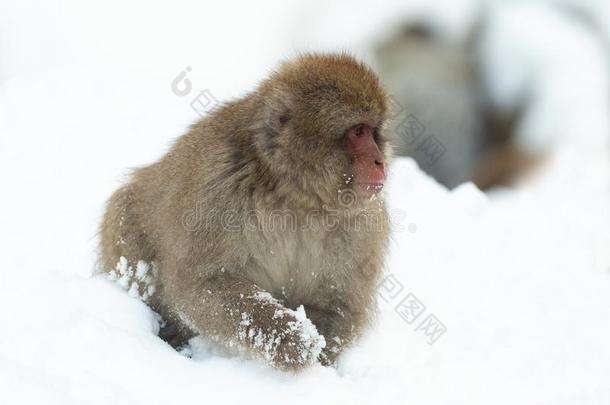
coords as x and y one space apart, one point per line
234 311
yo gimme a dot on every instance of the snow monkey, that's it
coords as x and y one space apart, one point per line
263 229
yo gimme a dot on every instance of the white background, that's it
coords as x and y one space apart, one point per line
521 278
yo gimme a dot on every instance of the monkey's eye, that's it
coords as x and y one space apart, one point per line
379 137
359 130
376 134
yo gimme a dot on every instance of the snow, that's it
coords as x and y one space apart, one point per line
132 280
501 298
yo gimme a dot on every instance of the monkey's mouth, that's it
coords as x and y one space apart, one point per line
368 190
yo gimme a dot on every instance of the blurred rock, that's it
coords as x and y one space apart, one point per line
439 118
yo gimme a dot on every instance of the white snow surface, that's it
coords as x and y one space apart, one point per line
519 279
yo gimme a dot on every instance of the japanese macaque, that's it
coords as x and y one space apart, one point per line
444 119
263 229
440 115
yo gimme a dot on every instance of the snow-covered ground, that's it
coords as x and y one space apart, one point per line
511 289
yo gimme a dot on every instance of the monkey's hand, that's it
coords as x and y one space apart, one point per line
231 309
338 326
287 339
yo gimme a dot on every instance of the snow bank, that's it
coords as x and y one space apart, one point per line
518 284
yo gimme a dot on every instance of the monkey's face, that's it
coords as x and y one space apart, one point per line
340 134
338 150
366 163
325 127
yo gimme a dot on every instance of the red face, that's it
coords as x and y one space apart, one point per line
368 163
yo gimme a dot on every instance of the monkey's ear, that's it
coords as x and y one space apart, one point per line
278 112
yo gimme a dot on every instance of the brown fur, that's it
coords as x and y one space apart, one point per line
254 199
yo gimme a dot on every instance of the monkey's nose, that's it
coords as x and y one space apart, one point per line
380 166
377 171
